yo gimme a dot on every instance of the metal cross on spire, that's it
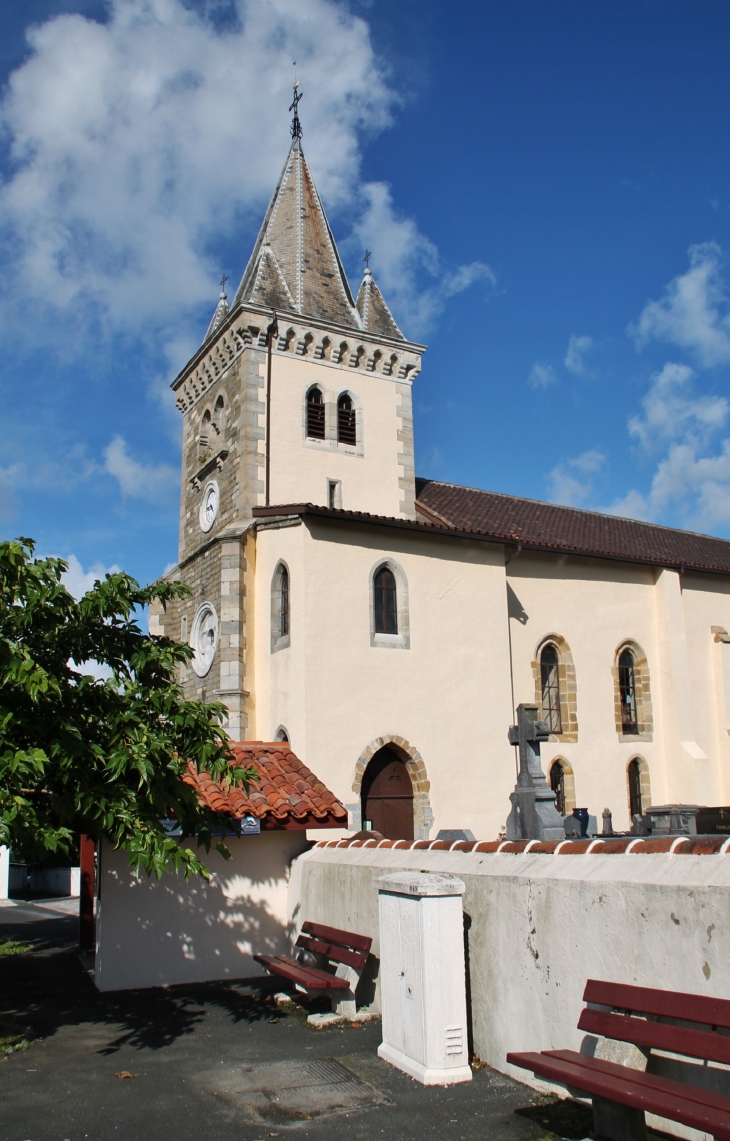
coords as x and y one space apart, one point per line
366 259
296 126
224 279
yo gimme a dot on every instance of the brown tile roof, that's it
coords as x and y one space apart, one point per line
546 525
286 794
467 513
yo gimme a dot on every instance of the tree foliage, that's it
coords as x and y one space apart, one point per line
101 756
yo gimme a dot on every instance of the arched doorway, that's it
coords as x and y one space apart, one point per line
387 796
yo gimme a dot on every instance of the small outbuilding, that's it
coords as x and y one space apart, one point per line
159 932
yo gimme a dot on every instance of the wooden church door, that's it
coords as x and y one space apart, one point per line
387 796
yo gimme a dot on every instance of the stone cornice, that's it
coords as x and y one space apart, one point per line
245 327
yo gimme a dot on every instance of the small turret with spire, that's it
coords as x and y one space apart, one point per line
221 310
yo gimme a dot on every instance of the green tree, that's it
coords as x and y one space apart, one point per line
102 756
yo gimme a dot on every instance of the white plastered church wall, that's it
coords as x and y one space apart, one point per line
300 468
447 695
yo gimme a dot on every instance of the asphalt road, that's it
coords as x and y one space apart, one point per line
216 1060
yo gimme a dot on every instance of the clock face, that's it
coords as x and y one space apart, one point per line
209 506
204 638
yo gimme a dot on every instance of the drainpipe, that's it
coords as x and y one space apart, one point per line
509 638
271 332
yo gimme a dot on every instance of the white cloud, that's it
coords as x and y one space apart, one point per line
671 410
78 581
694 311
138 480
140 142
691 479
578 349
542 375
569 483
406 264
137 141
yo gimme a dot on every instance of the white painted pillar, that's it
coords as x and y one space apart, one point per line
422 976
4 872
670 584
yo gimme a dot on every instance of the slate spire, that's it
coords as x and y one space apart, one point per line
221 311
375 315
295 266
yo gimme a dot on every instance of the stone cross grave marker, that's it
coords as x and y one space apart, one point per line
534 815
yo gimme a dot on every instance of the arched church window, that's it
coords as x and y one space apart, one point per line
315 414
557 784
385 602
550 682
346 426
627 691
205 432
636 800
280 608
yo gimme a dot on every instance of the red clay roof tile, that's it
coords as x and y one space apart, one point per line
284 794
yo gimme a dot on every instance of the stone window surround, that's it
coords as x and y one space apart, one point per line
645 783
568 688
568 781
330 443
401 640
644 712
203 610
422 812
277 642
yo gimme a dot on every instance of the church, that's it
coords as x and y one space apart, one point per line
387 626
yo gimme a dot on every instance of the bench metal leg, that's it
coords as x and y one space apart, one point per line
617 1122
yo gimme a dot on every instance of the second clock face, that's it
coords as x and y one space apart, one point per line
209 506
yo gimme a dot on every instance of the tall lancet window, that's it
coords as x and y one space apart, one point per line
315 414
627 689
550 678
386 602
346 427
280 608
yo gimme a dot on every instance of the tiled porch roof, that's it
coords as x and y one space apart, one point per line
286 794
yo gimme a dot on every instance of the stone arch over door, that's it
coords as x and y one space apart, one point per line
422 813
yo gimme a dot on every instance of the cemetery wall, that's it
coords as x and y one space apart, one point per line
161 932
540 923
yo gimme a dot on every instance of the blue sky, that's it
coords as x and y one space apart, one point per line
544 187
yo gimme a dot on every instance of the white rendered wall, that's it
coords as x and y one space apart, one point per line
540 926
157 933
447 695
300 469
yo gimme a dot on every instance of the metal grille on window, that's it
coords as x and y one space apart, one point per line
346 429
284 603
557 784
550 679
315 414
386 602
627 690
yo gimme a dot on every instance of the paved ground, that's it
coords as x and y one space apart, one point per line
215 1061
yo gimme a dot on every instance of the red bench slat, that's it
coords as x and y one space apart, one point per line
627 1073
356 959
636 1091
310 977
333 935
670 1004
660 1036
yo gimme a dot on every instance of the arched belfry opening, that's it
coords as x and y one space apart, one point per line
387 796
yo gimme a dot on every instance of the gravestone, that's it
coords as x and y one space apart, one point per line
534 815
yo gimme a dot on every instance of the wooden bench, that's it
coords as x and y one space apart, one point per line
622 1095
349 952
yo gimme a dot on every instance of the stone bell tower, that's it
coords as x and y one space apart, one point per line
329 376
